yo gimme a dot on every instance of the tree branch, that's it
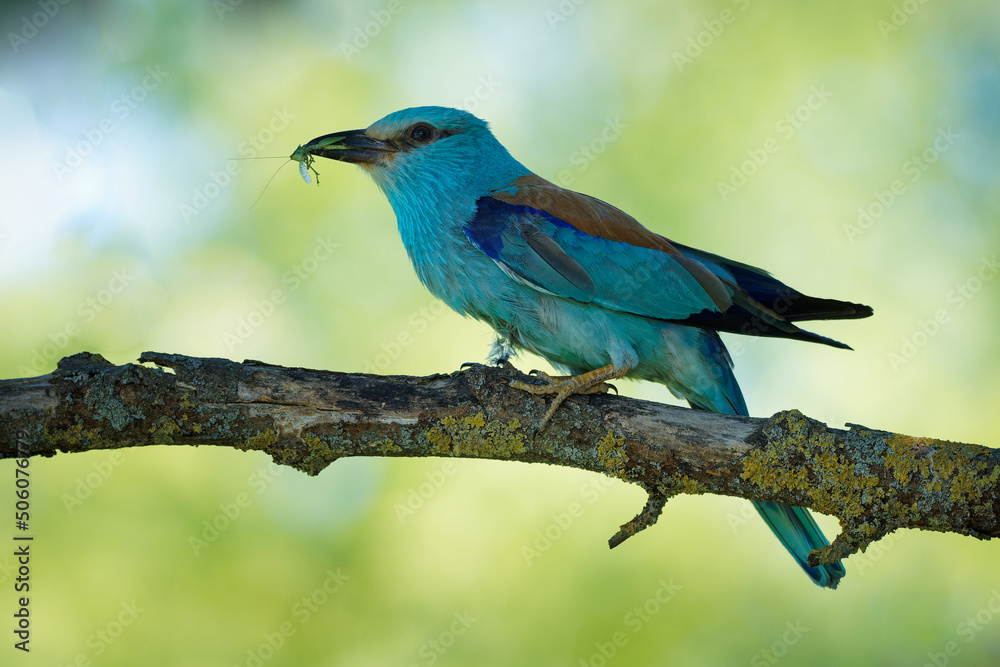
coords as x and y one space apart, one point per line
873 481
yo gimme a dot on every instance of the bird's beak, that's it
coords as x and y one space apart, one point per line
353 146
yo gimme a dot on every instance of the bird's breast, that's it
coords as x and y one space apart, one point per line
460 275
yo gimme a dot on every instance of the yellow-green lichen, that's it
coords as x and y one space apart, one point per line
319 454
902 459
387 446
611 454
163 430
683 484
855 480
841 488
835 485
474 436
939 463
261 441
764 467
77 437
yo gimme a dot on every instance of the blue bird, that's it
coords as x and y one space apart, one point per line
574 279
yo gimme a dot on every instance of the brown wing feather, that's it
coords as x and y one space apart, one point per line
598 218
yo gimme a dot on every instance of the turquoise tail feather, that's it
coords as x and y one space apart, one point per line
797 530
793 526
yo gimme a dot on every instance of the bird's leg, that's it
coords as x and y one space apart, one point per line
597 388
591 382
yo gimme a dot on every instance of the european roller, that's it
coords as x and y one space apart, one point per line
574 279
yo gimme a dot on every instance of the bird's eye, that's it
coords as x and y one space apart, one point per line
421 133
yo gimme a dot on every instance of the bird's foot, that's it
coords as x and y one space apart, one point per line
553 384
564 386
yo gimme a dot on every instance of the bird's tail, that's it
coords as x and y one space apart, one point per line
798 531
794 526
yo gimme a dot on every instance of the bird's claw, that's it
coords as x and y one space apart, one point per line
537 389
592 382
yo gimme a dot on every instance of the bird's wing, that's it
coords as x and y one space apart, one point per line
536 244
761 286
579 247
602 220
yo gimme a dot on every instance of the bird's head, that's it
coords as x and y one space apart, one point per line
425 154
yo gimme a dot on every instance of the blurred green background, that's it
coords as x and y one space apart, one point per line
851 148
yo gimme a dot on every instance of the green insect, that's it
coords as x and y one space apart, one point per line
303 154
305 160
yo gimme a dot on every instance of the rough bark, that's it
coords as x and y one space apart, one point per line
873 481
